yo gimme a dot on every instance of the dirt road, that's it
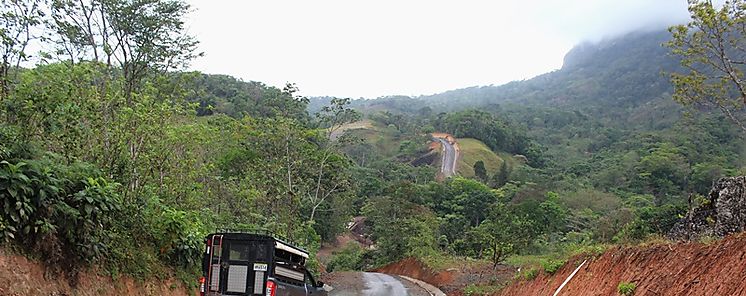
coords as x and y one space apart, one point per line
371 284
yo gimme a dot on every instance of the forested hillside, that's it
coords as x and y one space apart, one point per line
613 75
611 158
114 155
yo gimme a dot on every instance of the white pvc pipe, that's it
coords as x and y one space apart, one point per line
569 278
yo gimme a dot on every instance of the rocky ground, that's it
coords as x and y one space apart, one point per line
723 213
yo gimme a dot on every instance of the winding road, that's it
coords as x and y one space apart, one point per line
448 163
382 284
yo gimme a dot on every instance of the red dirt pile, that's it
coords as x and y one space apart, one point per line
20 276
666 269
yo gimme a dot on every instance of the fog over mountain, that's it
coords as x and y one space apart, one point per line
384 48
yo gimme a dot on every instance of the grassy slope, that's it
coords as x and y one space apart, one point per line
362 124
383 138
473 150
386 142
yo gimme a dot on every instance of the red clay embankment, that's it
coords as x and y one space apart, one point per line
20 276
666 269
415 269
452 280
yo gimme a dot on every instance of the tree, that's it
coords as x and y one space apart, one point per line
334 116
132 44
712 49
17 21
467 198
502 176
480 171
139 36
400 227
663 172
501 234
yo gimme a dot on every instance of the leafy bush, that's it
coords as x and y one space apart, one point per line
551 266
351 257
626 288
13 144
594 250
473 289
530 273
178 237
82 218
651 220
61 212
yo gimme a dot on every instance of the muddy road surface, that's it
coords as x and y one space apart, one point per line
371 284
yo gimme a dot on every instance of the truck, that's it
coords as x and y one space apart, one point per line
246 263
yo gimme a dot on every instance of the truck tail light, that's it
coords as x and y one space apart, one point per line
202 286
271 288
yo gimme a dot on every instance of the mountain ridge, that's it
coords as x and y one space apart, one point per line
614 76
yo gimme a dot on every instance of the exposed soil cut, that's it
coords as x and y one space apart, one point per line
20 276
360 231
448 137
665 269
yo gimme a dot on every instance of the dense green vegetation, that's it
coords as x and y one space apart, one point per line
618 164
111 154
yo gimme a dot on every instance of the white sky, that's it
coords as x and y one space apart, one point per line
355 49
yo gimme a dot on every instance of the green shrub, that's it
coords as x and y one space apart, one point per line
626 288
178 237
474 290
349 258
551 265
594 250
13 144
530 273
62 212
7 230
83 219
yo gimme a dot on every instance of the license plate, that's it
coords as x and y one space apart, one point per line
260 267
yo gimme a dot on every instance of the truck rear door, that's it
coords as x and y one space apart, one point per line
244 268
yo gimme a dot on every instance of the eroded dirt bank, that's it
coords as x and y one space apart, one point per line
718 268
20 276
452 280
415 269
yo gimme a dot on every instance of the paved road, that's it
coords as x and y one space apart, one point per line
378 284
448 164
373 284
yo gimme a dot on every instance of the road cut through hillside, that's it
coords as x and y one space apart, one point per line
20 276
450 154
717 268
